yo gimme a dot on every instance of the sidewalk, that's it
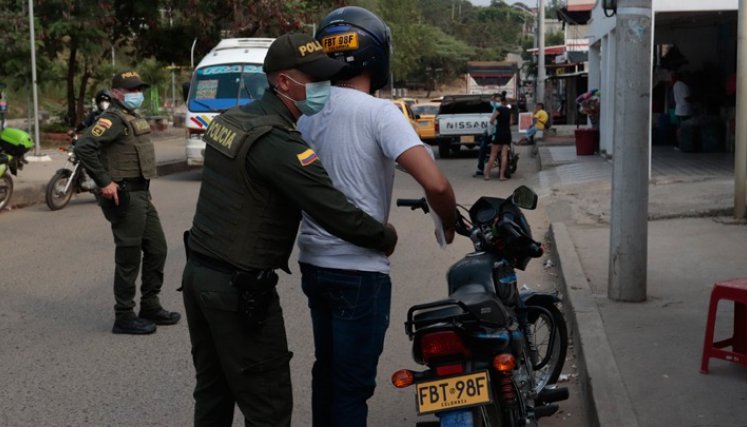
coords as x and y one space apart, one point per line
31 182
640 361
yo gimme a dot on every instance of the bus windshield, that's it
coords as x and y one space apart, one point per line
216 88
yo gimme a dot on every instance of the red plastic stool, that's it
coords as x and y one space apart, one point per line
732 290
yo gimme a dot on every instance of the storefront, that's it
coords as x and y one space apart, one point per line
697 39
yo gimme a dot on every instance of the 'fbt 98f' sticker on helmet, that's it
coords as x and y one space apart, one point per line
340 42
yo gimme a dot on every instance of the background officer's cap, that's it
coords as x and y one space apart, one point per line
303 52
128 79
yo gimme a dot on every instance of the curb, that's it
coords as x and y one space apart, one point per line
601 382
35 193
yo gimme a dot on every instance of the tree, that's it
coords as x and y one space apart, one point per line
79 33
554 39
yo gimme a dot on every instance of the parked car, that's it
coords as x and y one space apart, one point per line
426 124
462 120
409 101
407 111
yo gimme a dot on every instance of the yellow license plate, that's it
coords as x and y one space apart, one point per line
467 139
453 392
340 42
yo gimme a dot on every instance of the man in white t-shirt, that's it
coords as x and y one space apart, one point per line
358 139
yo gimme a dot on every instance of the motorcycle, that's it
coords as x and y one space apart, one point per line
492 352
14 143
68 180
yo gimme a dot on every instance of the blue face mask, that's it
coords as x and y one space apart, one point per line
317 95
133 100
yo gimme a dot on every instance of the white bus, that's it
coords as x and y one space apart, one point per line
230 75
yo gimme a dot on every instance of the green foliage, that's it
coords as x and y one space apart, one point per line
554 39
432 39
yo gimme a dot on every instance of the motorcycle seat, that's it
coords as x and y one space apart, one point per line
484 306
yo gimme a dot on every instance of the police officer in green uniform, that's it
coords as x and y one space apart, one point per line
259 174
118 154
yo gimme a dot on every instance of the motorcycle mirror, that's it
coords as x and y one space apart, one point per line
525 198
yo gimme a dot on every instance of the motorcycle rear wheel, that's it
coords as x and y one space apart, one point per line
551 340
56 196
6 190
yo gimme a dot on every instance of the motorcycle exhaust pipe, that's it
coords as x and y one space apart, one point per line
549 395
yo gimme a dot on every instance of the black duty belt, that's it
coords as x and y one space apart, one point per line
221 266
134 184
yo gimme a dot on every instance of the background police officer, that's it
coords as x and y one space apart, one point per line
118 154
258 175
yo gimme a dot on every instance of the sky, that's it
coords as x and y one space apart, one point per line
530 3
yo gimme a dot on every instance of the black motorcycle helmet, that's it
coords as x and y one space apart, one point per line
103 96
360 39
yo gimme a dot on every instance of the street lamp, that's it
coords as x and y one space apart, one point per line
37 149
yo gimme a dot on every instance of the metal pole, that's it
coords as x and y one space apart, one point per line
113 63
173 91
37 150
540 95
630 166
740 146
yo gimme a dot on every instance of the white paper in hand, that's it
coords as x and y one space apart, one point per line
440 236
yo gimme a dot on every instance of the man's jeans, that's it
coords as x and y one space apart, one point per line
350 315
531 132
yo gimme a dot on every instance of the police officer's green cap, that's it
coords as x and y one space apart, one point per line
128 79
302 52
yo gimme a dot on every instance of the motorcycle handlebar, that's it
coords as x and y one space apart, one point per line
414 204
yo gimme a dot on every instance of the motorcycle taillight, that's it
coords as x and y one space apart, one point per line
447 370
442 344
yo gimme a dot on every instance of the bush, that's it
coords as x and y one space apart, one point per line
57 127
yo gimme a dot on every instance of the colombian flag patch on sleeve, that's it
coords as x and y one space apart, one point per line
307 157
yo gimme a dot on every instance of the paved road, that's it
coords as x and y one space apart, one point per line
60 365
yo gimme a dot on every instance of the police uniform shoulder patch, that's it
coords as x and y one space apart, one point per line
101 126
307 157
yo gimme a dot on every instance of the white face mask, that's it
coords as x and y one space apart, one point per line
103 105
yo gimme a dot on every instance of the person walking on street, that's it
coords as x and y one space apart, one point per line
259 174
501 119
118 154
358 138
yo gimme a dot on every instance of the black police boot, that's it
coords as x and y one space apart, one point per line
133 325
161 316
